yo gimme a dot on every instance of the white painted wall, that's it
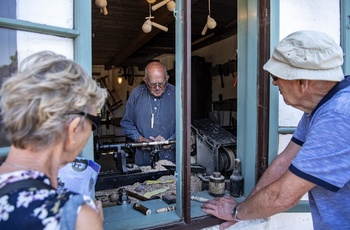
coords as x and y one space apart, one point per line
220 53
321 15
49 12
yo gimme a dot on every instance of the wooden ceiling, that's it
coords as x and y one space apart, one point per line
118 39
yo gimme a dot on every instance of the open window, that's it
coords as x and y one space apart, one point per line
76 43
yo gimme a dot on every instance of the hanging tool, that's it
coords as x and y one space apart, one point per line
221 73
233 70
210 24
235 80
147 25
102 4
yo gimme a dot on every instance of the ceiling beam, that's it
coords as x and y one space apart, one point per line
163 16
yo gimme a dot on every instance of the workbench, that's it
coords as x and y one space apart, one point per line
125 217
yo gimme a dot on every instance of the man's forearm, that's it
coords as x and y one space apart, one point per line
272 173
278 167
276 197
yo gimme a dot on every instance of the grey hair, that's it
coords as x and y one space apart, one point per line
35 100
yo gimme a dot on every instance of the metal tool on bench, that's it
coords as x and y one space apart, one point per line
194 168
123 197
119 154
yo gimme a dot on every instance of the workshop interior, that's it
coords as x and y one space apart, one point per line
215 168
126 36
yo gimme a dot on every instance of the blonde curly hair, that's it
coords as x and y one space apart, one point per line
35 100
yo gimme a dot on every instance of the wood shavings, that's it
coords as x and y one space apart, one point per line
158 166
165 181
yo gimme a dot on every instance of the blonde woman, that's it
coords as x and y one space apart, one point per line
49 109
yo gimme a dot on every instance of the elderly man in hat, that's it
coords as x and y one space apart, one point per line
306 67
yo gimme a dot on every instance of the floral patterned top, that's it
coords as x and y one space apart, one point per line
34 208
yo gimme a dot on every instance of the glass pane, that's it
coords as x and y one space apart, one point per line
17 45
39 11
8 64
29 43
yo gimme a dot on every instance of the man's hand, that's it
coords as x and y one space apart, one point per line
221 208
143 139
160 138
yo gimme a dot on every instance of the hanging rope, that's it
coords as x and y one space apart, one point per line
94 29
209 7
150 11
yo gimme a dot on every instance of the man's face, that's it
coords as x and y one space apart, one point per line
290 91
156 82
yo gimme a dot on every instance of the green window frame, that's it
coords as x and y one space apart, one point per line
81 33
345 33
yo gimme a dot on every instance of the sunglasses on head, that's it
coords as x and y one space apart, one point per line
95 120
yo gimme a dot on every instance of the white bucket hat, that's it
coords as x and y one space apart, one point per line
309 55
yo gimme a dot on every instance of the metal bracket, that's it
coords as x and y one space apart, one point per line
175 175
174 13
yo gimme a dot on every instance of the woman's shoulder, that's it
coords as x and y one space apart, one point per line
87 216
33 199
21 175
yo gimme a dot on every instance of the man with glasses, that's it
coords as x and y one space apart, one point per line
150 114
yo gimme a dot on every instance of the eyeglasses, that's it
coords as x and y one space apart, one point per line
154 85
274 77
95 120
